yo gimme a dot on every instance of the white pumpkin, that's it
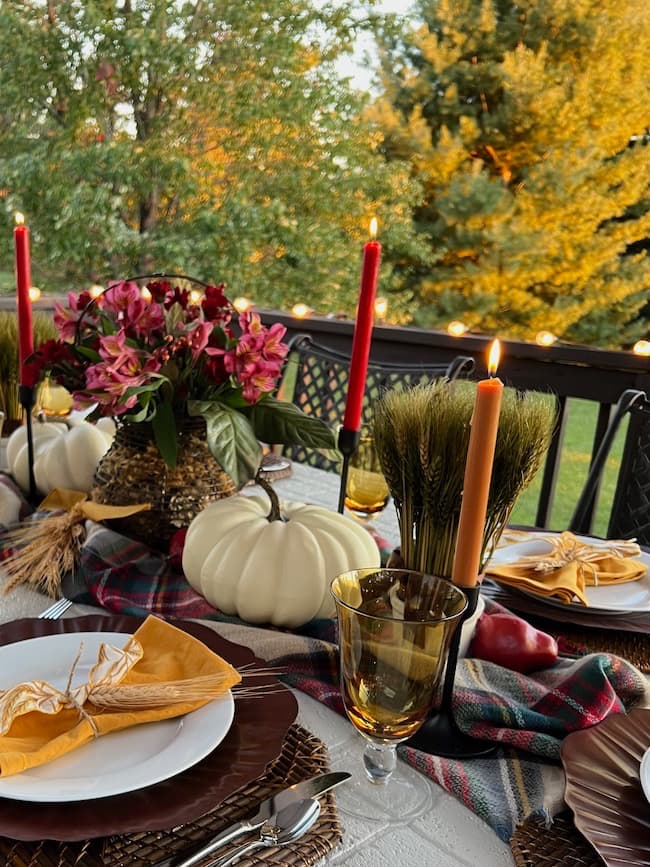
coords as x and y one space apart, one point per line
70 461
17 452
276 572
9 505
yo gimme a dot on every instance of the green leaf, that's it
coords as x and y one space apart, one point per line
87 352
278 422
164 431
231 439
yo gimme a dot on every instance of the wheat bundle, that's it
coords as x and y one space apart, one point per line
422 436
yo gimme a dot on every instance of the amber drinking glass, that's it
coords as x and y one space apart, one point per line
395 626
366 491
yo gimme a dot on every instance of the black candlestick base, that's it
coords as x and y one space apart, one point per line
440 735
26 398
348 443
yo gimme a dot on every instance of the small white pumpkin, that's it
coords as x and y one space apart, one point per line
9 505
272 571
17 452
70 461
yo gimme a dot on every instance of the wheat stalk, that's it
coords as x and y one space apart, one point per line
422 434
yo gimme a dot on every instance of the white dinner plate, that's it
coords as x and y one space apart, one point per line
631 597
118 762
644 773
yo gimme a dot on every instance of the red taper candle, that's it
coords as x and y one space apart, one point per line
23 301
478 475
362 331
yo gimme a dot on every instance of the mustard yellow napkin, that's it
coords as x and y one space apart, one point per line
151 678
570 566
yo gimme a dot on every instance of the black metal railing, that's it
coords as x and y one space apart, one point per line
567 371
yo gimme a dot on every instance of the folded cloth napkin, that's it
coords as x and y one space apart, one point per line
161 672
570 566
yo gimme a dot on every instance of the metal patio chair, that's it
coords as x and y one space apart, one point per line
321 376
630 511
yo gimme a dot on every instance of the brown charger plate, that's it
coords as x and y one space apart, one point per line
255 739
603 787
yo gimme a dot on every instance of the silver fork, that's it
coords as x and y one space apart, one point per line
56 610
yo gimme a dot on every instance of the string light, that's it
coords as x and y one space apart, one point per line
300 310
34 293
381 307
641 347
195 296
145 294
241 304
545 338
456 328
95 291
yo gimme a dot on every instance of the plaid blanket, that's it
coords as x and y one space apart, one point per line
527 715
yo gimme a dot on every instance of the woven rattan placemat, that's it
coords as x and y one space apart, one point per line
629 645
561 845
303 756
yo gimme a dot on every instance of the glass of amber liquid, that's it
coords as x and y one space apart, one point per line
395 626
366 491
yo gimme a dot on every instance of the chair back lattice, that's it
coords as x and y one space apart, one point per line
320 390
630 512
630 515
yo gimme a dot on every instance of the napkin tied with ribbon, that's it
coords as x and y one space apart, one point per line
160 673
570 566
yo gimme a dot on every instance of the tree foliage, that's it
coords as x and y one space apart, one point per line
519 120
208 137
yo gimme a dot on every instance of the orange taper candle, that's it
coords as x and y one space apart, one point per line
478 474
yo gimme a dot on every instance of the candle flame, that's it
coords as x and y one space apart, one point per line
19 218
373 228
493 357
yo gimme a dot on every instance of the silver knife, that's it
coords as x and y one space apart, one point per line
307 789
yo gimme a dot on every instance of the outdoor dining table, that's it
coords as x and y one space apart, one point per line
449 835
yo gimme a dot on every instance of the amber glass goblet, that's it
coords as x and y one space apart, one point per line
366 491
395 626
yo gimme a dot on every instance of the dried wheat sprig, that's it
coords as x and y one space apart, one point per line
130 696
51 549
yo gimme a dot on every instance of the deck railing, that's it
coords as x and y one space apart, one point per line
567 371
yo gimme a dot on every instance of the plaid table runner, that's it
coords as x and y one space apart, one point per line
527 715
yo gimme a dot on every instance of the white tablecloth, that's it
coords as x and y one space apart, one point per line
448 835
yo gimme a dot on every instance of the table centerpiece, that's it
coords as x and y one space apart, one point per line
190 385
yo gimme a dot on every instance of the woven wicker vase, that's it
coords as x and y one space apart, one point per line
133 471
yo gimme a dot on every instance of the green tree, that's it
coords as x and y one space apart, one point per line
518 120
208 137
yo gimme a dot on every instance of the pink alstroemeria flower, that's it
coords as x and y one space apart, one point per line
255 362
65 320
198 335
124 300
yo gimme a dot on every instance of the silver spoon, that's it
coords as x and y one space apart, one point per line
289 824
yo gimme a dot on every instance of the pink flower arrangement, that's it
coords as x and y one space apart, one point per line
156 361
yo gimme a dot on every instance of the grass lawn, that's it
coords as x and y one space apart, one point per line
574 466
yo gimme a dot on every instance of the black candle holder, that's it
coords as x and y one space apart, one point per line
26 398
348 443
440 734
